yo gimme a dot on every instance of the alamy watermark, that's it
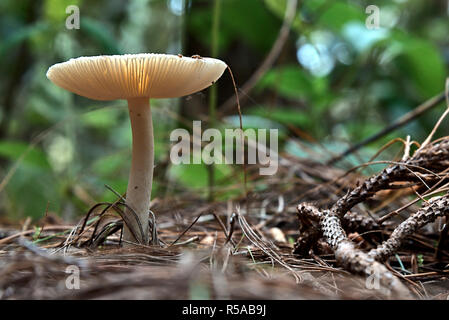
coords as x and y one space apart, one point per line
73 20
373 20
258 151
372 282
72 282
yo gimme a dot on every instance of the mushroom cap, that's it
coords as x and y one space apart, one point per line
136 75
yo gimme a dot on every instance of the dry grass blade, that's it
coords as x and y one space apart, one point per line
264 246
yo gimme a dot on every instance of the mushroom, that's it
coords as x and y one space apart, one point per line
137 78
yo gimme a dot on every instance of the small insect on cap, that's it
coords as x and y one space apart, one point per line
136 75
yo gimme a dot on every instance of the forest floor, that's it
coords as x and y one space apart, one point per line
268 245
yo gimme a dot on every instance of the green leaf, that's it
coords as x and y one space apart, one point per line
195 177
22 34
278 7
422 62
281 115
54 10
100 34
13 150
253 122
110 165
43 112
29 191
101 119
292 82
260 33
361 38
307 150
118 184
339 13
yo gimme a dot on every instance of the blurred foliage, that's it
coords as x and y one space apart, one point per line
336 82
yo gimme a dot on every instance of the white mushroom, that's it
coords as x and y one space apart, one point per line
137 78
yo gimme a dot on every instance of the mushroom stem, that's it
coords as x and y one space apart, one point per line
138 194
